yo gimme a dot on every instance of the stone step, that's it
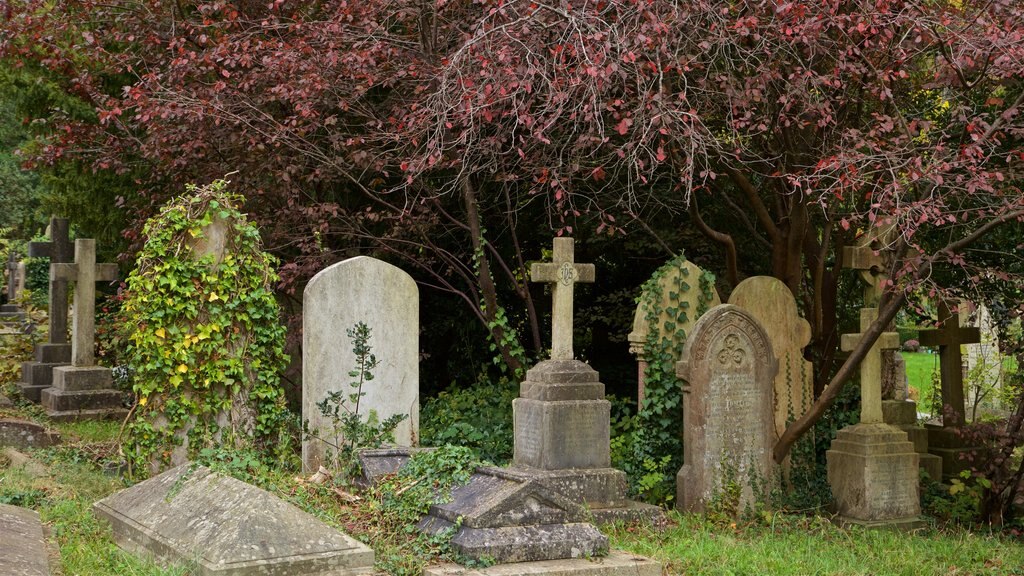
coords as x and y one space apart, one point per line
616 563
24 551
55 400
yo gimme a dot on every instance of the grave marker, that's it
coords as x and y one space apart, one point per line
386 299
83 390
37 375
948 339
563 273
770 302
729 368
23 552
12 281
194 516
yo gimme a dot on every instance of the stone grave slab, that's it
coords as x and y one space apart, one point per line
728 369
24 551
386 299
376 463
679 287
225 527
616 563
772 304
22 434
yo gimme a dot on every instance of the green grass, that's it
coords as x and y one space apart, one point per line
922 375
811 545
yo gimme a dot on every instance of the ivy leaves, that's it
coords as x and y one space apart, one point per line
203 331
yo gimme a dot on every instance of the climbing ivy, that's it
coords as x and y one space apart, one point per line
203 337
656 451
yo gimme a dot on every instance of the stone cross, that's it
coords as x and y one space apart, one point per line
85 273
12 277
868 261
948 339
871 366
563 273
59 250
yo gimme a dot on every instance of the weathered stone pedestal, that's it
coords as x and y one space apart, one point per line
37 375
903 415
85 392
873 472
11 313
946 444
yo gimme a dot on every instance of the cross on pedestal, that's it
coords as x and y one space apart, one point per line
871 366
59 250
85 273
12 277
564 274
948 339
865 258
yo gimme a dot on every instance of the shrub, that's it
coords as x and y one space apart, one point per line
478 417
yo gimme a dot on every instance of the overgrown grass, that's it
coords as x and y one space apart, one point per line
922 375
812 545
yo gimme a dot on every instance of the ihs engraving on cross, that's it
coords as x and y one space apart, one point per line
563 273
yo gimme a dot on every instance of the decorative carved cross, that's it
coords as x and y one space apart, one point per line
948 339
563 273
12 277
59 250
871 366
85 273
865 258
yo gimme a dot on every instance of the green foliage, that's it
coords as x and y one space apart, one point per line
655 449
350 431
478 417
203 336
959 502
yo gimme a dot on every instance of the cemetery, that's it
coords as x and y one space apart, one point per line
508 288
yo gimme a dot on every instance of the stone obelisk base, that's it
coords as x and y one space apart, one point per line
37 375
873 472
903 415
82 393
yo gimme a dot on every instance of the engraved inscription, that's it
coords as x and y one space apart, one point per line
567 274
731 352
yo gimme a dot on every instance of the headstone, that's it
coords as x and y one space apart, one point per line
386 299
83 389
983 361
533 510
23 552
872 466
192 516
22 434
12 283
37 375
679 287
728 368
769 301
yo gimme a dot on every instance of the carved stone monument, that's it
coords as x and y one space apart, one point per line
386 299
83 389
10 312
872 466
769 301
728 368
943 440
533 510
37 375
680 301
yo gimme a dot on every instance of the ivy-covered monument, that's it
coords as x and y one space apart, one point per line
204 336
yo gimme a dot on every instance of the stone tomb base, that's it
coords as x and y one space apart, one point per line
614 564
873 472
37 375
225 527
82 393
945 444
511 519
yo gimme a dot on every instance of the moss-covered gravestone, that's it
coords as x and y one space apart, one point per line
205 339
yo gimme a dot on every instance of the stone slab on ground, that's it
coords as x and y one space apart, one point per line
5 402
21 461
24 551
377 463
225 527
616 563
23 434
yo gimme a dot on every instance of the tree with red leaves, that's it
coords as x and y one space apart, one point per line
438 132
